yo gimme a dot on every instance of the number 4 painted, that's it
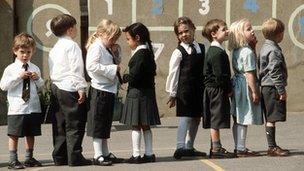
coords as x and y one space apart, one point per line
110 6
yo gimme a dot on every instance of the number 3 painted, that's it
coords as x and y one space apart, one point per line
205 7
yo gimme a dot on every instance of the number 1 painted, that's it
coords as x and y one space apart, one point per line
110 6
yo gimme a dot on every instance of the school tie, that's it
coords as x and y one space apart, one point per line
114 62
26 85
193 50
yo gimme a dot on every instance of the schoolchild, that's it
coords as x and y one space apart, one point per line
218 87
68 93
273 76
185 85
22 80
102 67
140 109
245 102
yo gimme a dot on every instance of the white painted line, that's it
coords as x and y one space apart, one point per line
180 8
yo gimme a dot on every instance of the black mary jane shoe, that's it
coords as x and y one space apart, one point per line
15 165
134 160
111 157
105 162
148 159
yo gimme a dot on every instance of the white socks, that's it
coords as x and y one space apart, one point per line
187 127
136 138
148 142
239 135
136 142
97 145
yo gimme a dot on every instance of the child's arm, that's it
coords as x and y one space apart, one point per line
255 94
93 64
276 73
172 78
12 79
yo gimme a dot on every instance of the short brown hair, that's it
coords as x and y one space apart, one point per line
61 23
183 20
272 27
212 26
23 40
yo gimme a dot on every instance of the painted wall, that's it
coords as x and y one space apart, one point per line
34 17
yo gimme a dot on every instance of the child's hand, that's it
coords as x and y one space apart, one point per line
283 97
116 49
34 76
25 74
82 96
171 102
230 94
255 98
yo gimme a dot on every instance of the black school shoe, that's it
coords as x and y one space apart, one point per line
134 160
195 153
105 162
179 153
111 157
32 162
15 165
148 159
82 162
221 153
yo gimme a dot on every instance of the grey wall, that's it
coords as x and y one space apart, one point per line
159 16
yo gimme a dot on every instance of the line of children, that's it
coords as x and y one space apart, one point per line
185 86
245 103
102 67
197 85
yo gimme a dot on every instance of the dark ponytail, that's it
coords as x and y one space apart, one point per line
144 35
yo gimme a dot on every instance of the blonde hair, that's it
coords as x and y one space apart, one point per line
23 40
106 29
237 37
272 27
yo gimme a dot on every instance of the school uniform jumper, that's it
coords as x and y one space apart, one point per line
273 76
242 107
217 86
24 117
102 71
140 106
67 76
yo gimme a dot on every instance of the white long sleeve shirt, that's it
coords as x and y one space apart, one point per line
66 65
100 67
174 67
13 84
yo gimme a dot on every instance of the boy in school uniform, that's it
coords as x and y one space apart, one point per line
21 80
68 94
218 87
273 76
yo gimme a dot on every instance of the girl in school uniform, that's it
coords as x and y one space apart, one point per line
140 109
185 85
103 68
246 108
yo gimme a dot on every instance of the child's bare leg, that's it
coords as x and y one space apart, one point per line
29 147
215 139
12 146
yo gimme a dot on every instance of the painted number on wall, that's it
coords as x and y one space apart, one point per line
110 6
251 5
205 8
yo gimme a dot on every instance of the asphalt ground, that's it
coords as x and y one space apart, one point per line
290 135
